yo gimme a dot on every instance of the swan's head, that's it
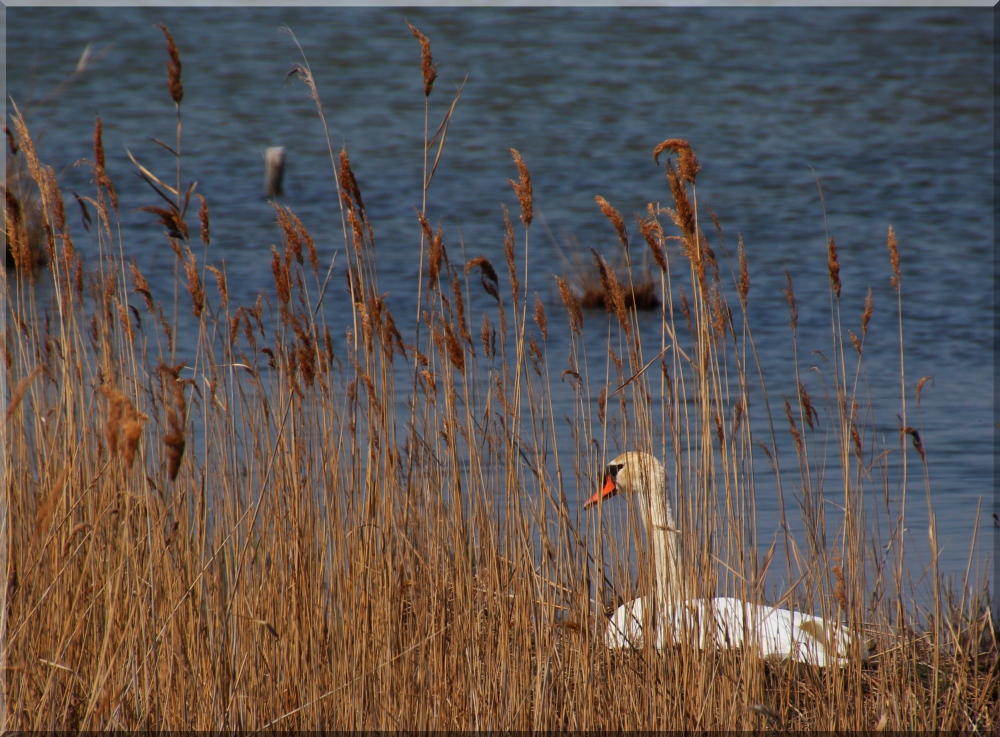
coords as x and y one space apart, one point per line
631 472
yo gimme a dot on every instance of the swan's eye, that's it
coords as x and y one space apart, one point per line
613 470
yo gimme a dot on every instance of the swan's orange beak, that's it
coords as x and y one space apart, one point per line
610 489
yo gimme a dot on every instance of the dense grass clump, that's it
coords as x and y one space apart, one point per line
284 527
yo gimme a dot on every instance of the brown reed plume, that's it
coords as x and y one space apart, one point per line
203 219
522 188
616 220
540 319
488 275
866 316
99 158
220 281
174 85
17 240
427 66
614 294
687 162
508 252
435 257
194 284
894 258
920 386
652 232
793 309
743 289
349 186
833 266
140 286
572 306
463 327
176 408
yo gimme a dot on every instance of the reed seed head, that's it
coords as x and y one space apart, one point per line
652 232
174 85
112 424
488 275
894 257
425 227
522 188
866 316
614 295
856 438
455 353
126 323
194 286
293 242
348 184
540 319
535 353
435 257
282 281
720 433
767 452
572 306
616 220
833 265
855 342
793 310
484 335
738 413
16 235
463 327
132 432
744 285
427 66
176 407
807 406
687 162
508 250
220 281
683 216
141 286
98 143
840 590
203 219
917 444
310 244
920 386
793 428
170 218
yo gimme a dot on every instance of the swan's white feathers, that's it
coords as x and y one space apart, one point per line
722 622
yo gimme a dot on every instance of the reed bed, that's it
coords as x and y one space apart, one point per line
269 526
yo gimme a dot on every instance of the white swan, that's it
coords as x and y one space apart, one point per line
721 622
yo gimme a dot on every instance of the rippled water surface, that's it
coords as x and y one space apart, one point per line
890 109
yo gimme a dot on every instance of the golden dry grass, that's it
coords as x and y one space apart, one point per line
272 530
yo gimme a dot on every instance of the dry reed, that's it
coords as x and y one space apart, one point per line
273 550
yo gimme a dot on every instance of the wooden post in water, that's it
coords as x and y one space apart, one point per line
274 170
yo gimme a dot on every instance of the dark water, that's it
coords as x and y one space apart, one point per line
890 108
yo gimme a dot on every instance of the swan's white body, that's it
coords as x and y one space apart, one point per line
722 622
725 622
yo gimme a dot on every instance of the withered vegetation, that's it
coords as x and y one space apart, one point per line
265 525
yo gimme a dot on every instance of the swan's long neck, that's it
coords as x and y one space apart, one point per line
664 538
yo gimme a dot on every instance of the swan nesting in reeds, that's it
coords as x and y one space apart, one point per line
721 622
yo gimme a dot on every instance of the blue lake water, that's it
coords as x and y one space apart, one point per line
891 108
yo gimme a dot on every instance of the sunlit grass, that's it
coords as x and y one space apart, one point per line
258 523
